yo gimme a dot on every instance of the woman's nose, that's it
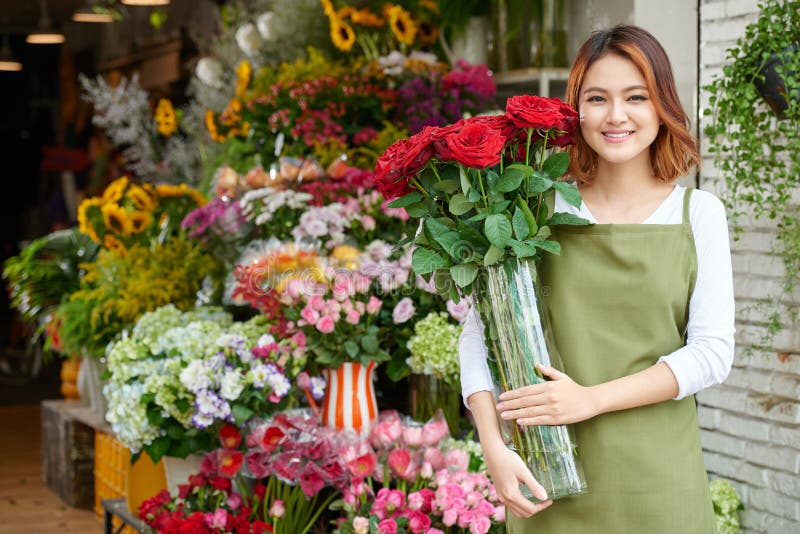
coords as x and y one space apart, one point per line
617 112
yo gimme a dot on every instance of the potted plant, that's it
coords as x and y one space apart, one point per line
757 155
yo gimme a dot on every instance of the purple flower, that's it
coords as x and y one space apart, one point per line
403 311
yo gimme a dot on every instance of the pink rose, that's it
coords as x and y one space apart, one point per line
299 338
374 305
326 325
419 522
449 517
360 525
499 514
458 459
316 302
403 311
277 509
458 311
310 315
412 436
387 526
480 525
368 223
353 317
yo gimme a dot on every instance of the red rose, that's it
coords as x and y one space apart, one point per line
563 140
438 135
530 111
221 483
401 161
476 145
500 123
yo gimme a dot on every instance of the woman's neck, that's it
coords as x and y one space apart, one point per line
631 179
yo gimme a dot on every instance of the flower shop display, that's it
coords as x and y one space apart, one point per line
182 375
479 187
435 368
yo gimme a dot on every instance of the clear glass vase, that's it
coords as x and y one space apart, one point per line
519 337
430 394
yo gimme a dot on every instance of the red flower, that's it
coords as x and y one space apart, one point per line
272 438
220 483
229 436
418 521
500 123
401 463
259 527
230 462
196 481
438 135
400 162
530 111
476 145
364 465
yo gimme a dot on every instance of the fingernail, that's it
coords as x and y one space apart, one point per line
505 415
500 406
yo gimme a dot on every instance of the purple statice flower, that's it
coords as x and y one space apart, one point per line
220 215
318 385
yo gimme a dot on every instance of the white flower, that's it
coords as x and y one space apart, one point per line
209 71
425 57
248 39
231 386
279 384
195 376
258 375
266 339
264 23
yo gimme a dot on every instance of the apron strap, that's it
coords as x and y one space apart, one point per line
686 196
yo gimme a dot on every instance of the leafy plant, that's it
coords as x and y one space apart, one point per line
726 506
757 153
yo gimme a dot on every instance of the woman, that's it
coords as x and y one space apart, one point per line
641 305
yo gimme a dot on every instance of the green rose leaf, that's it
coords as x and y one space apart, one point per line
492 256
464 179
351 348
520 224
456 246
481 215
556 165
473 235
500 207
569 192
241 414
539 183
459 204
497 229
543 233
549 245
407 200
420 209
436 228
425 261
370 344
511 179
523 249
447 186
474 195
567 219
464 274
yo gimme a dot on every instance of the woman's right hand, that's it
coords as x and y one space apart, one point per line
508 471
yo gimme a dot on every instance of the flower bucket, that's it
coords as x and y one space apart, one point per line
143 479
350 401
178 470
90 386
519 337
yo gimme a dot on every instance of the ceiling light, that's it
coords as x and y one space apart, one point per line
44 33
7 60
85 14
146 2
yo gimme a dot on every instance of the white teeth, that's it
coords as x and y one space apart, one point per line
617 135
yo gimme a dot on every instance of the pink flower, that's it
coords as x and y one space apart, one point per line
310 315
465 518
435 531
277 509
299 338
449 517
387 526
457 459
499 514
426 471
418 522
458 311
234 501
217 519
353 317
434 457
403 311
374 305
311 479
364 465
435 431
360 525
368 223
342 291
303 380
412 436
362 283
326 325
387 431
401 463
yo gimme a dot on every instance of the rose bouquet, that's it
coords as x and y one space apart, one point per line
480 188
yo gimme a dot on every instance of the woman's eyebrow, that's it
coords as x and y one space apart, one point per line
601 90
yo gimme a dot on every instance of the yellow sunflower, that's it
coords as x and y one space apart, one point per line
114 244
428 33
114 190
116 219
165 117
140 220
167 190
345 12
84 224
243 74
430 5
327 7
365 17
142 198
402 25
211 126
342 34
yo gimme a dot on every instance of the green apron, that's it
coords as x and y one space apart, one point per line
618 299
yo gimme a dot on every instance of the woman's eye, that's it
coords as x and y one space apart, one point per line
638 98
594 99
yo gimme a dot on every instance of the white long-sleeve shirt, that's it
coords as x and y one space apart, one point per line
707 357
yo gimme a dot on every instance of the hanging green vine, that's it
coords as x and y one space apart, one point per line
756 147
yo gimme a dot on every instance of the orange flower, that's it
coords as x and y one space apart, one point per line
243 74
365 17
402 25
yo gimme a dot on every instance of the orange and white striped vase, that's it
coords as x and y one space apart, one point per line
350 401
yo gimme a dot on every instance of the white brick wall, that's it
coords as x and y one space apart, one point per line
751 423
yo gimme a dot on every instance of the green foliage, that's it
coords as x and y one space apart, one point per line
726 506
757 153
46 270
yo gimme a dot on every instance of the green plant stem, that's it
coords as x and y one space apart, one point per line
483 191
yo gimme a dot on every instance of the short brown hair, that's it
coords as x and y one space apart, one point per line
674 150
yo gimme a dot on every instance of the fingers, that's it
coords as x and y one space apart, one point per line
522 507
525 391
551 372
526 412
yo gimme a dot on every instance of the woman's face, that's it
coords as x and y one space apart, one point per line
618 119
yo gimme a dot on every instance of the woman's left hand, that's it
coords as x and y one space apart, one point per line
559 401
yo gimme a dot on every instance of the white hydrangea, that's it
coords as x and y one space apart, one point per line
259 205
248 39
434 347
210 72
231 386
195 376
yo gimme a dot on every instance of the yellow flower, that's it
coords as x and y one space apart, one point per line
327 7
342 34
402 25
166 190
114 190
140 220
365 17
243 74
430 5
211 126
232 113
427 33
112 243
347 256
345 12
84 224
116 219
166 120
142 198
